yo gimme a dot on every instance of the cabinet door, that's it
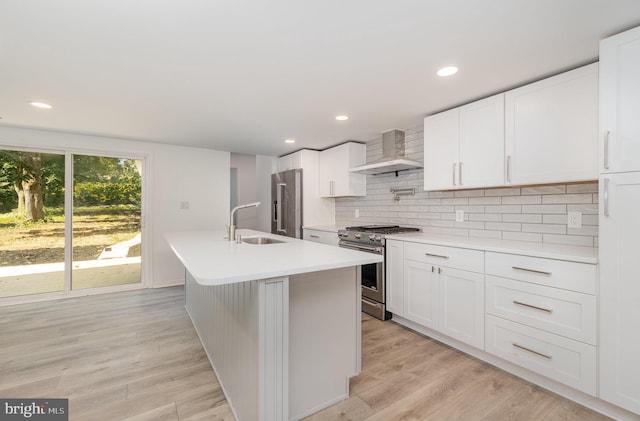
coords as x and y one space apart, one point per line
421 293
394 262
327 174
481 144
552 129
441 150
620 290
335 163
620 102
461 305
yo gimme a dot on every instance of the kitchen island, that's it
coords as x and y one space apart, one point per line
280 322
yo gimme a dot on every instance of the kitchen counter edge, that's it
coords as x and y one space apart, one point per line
578 254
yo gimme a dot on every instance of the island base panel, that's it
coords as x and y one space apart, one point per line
324 338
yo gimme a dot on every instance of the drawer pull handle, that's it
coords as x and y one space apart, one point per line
548 310
540 272
314 236
542 354
436 255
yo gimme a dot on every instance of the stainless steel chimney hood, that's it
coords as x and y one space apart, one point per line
393 156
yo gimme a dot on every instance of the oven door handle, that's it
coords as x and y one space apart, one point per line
377 250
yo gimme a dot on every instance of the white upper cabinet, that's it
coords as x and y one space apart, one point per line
464 147
289 162
551 129
335 178
620 102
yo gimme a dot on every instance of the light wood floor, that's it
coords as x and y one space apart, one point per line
135 356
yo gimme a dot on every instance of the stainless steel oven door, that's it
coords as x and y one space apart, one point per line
372 274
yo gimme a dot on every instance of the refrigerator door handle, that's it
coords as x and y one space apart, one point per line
279 189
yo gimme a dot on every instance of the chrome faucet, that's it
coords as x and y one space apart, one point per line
231 233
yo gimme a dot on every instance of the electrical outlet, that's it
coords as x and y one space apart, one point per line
184 205
574 219
459 216
356 213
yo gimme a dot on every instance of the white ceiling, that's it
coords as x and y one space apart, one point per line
243 76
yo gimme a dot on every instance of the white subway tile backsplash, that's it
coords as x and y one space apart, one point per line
583 188
585 209
470 225
522 236
572 240
567 198
557 189
584 230
590 220
494 200
532 213
544 209
531 218
522 200
503 191
485 233
503 226
455 201
503 209
554 219
468 193
545 228
494 217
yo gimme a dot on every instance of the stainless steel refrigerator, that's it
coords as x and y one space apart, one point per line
286 203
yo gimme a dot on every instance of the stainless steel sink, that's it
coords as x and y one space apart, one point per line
260 240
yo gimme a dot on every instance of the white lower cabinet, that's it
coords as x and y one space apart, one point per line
319 236
421 293
443 298
554 310
541 315
461 306
537 313
564 360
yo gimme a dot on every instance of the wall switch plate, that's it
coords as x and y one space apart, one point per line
459 216
574 219
356 213
184 205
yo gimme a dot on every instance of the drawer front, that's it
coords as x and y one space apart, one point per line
580 277
564 360
453 257
566 313
325 237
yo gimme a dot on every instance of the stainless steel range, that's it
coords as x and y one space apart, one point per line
371 238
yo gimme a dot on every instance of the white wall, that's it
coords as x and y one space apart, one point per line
173 174
246 170
263 192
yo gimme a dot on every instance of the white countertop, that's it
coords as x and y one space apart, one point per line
212 260
550 251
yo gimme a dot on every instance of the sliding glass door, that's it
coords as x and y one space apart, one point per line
107 206
32 223
68 222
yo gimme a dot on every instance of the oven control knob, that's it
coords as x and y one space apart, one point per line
378 238
372 238
357 236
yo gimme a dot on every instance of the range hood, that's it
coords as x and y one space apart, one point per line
393 156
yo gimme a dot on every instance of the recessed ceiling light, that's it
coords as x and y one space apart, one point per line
342 117
289 141
40 105
447 71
